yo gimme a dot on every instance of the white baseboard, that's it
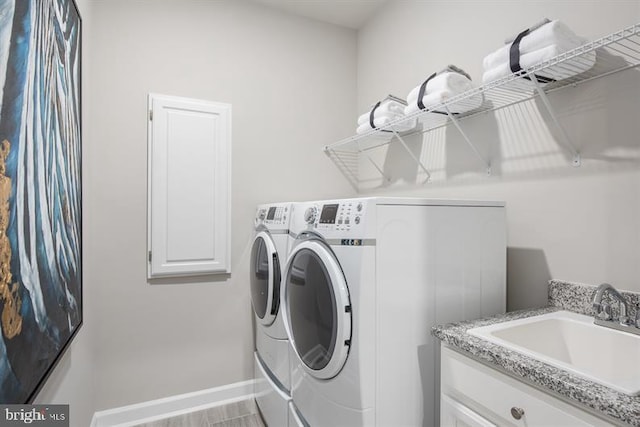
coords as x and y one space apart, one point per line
153 410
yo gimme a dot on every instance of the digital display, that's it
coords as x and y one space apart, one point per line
328 214
272 213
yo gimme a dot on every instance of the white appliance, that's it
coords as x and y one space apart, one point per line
364 283
272 369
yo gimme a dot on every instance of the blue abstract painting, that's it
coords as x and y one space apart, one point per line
40 191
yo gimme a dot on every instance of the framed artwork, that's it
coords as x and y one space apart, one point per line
40 191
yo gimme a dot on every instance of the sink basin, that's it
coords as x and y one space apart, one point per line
572 342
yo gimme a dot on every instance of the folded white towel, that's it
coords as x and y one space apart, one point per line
380 121
530 59
447 81
532 28
364 118
400 127
434 99
554 33
387 108
428 100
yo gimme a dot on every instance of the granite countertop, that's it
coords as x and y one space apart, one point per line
620 408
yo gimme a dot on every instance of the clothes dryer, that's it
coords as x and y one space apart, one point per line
365 281
271 359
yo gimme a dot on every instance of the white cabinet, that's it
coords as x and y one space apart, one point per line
189 146
473 394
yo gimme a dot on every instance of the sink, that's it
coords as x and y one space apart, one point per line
572 342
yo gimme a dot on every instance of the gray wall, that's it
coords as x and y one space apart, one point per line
577 224
291 82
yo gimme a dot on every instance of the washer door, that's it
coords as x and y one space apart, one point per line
317 310
265 278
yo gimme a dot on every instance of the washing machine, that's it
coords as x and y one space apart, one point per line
272 369
365 281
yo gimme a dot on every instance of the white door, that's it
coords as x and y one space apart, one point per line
189 145
317 309
264 278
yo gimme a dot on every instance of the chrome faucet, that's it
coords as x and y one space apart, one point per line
602 309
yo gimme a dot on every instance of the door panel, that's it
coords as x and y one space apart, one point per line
189 144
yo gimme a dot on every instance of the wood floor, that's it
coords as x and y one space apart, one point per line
239 414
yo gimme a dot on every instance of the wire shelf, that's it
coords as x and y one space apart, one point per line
613 53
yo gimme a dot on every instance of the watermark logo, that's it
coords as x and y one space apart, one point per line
34 415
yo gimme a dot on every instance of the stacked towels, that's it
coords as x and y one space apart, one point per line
539 43
440 87
382 113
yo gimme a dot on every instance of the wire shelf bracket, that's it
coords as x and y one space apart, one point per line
413 156
352 177
375 165
455 122
563 133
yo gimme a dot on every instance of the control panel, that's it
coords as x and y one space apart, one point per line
341 216
273 215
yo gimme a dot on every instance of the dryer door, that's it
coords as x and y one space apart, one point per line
317 310
265 278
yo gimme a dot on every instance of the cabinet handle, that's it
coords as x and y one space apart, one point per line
517 413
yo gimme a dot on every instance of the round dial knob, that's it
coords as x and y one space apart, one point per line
310 215
517 413
357 220
262 214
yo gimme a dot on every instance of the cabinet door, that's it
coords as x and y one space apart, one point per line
189 145
455 414
498 397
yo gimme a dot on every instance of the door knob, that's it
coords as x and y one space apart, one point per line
517 413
